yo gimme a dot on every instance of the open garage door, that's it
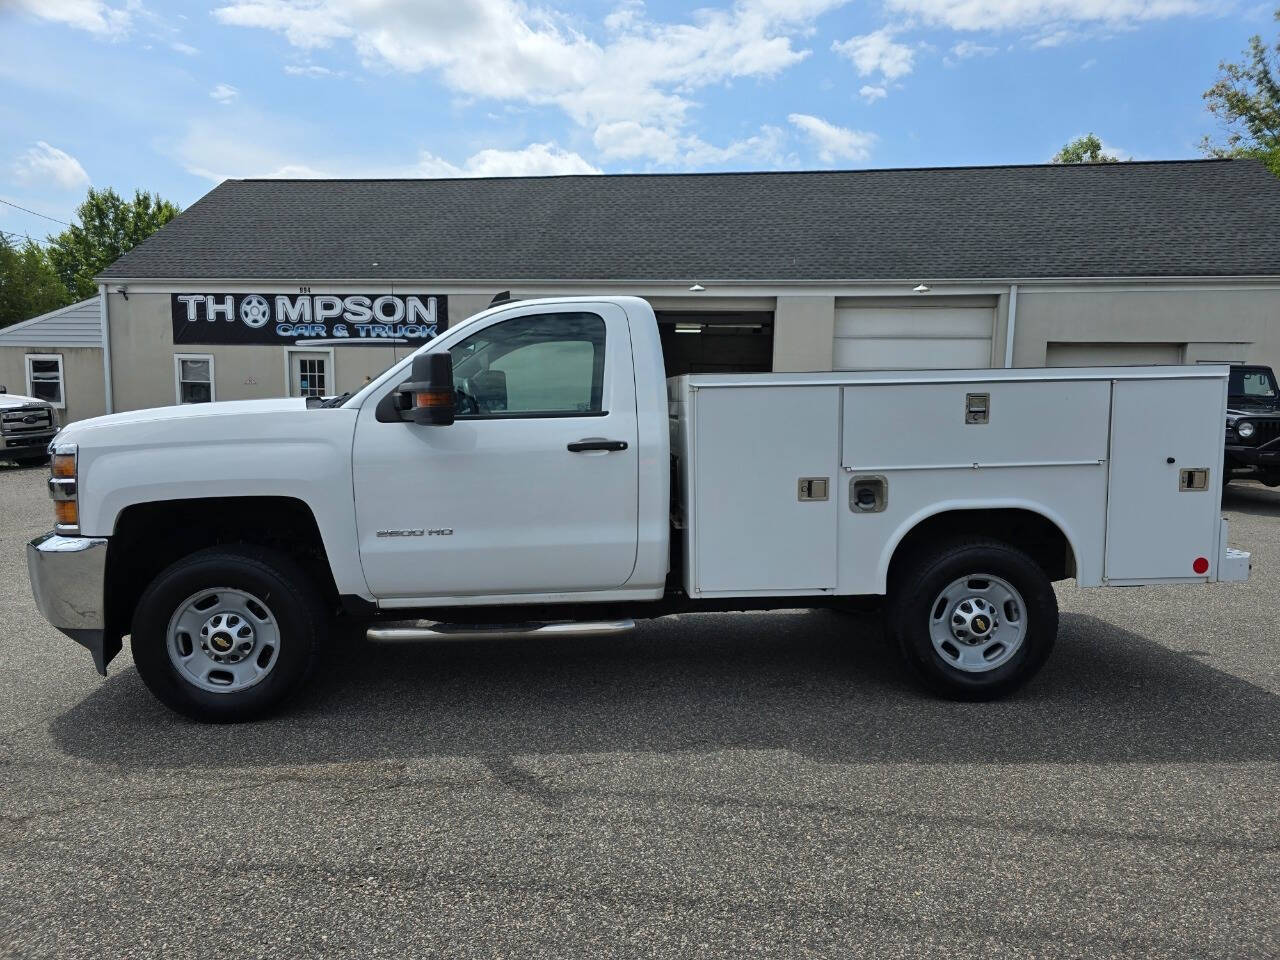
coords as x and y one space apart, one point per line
707 342
914 337
1111 354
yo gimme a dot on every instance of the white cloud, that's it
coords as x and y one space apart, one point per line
224 93
628 140
871 94
1089 64
1003 14
91 15
834 143
186 48
535 160
967 48
44 164
309 70
877 52
644 71
228 145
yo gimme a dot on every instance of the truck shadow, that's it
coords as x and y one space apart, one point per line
1252 498
817 683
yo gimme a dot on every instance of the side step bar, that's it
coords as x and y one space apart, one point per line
424 630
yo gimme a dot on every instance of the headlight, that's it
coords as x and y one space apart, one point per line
1244 429
63 480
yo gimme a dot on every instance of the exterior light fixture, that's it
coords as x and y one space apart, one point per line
922 288
697 288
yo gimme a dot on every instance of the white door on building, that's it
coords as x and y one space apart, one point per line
912 337
310 372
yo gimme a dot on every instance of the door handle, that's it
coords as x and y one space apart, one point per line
596 443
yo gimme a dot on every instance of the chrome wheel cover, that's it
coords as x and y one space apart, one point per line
977 623
223 640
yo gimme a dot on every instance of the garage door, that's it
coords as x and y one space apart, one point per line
1111 354
912 338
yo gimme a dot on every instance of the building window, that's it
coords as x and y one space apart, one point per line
44 378
193 376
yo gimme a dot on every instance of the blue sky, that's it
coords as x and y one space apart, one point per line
174 97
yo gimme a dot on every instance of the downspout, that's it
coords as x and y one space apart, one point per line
106 347
1010 325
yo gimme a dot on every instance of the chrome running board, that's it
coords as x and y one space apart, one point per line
426 631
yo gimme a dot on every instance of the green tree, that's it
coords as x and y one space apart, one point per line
29 286
109 226
1246 99
1086 149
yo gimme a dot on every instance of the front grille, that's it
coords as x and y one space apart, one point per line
1265 431
16 422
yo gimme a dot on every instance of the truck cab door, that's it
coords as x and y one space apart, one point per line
533 489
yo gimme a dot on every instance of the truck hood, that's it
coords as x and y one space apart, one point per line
1241 407
10 400
194 415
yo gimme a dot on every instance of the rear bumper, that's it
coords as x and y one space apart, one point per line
1233 565
68 579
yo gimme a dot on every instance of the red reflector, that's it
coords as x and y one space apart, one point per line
1201 565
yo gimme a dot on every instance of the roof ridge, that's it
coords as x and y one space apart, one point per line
746 173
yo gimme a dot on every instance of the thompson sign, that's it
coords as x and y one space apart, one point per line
285 318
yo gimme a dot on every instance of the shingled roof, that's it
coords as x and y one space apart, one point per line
1215 218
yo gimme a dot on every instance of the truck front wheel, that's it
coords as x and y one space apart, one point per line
228 633
974 619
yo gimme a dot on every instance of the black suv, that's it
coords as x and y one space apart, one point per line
1253 426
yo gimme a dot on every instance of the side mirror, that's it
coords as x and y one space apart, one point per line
429 390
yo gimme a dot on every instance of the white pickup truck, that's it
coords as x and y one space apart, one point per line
532 473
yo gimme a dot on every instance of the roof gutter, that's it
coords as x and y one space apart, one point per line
490 282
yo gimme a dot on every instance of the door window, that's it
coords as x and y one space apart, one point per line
549 365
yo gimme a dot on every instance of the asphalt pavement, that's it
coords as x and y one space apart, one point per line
712 785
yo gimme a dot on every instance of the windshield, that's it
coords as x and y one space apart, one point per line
1257 383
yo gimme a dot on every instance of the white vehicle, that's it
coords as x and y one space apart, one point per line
531 473
27 424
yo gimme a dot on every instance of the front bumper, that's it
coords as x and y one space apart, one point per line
26 443
1241 458
68 579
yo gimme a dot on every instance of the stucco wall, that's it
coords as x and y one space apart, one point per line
81 375
803 333
1210 321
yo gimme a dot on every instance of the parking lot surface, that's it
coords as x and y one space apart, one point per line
754 784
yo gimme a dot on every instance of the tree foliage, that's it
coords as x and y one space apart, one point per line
29 286
1246 99
109 226
1086 149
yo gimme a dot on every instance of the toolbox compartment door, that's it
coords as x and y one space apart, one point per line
1158 527
755 530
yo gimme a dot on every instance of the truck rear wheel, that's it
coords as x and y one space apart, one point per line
227 634
974 619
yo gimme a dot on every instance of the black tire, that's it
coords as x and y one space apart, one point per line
295 604
37 461
923 578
